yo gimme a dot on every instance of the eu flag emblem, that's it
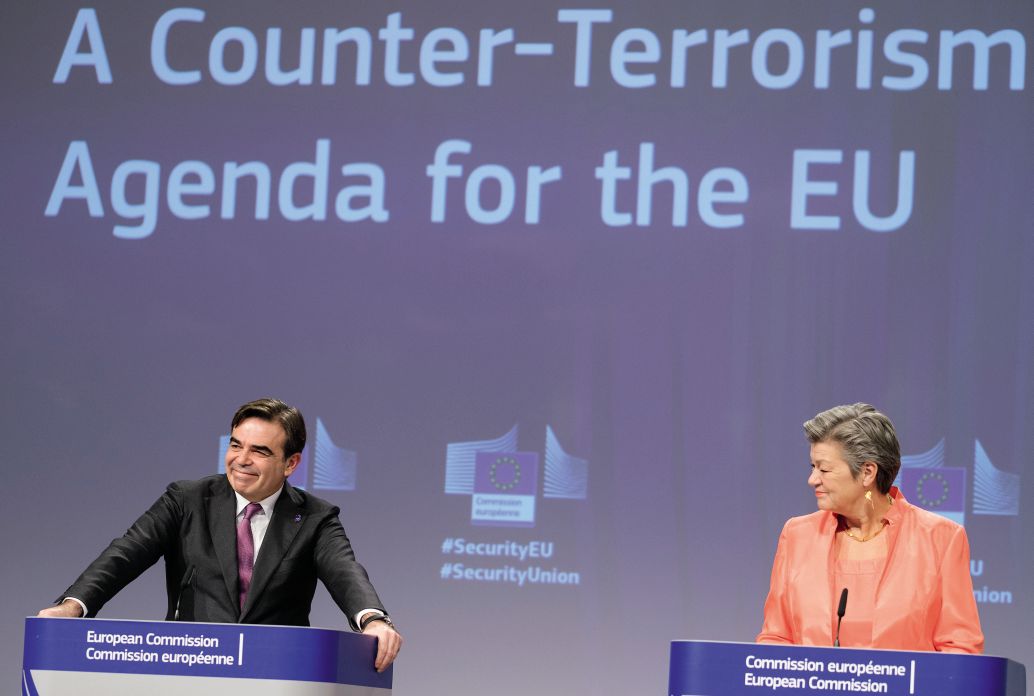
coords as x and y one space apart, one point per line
941 490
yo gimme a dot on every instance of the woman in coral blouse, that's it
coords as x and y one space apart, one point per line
906 570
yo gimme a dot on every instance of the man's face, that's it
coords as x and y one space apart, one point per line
255 462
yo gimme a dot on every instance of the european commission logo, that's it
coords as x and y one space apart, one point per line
503 483
333 468
927 482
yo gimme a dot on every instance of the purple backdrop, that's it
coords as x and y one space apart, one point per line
658 366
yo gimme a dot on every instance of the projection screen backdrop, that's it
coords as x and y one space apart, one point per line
632 246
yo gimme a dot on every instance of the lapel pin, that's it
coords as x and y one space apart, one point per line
297 518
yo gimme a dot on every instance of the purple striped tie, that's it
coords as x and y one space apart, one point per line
246 550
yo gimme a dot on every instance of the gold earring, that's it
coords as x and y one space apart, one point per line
868 496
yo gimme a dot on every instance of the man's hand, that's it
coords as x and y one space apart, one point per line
388 643
68 609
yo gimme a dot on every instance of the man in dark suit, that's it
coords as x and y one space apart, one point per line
211 531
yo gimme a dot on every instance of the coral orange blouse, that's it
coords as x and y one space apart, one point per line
923 596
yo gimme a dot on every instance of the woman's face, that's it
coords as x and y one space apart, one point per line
836 490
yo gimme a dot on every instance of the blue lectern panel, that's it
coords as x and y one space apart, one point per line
742 669
92 656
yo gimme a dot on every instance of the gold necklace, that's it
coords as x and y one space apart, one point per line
862 540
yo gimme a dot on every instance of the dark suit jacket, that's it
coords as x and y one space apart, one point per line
193 526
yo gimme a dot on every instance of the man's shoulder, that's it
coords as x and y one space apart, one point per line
204 487
217 485
302 498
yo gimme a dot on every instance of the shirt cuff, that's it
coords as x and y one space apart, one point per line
80 603
359 616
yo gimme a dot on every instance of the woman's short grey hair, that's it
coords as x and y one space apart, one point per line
866 436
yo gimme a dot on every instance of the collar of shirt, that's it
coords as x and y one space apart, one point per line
897 506
259 523
267 503
833 522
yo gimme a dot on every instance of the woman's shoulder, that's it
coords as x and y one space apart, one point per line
810 523
930 523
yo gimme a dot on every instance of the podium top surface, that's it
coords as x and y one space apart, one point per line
830 649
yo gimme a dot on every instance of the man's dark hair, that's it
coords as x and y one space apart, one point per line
276 411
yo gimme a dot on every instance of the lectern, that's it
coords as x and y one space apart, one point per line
94 657
700 668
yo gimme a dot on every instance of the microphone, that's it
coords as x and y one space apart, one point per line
840 615
188 606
